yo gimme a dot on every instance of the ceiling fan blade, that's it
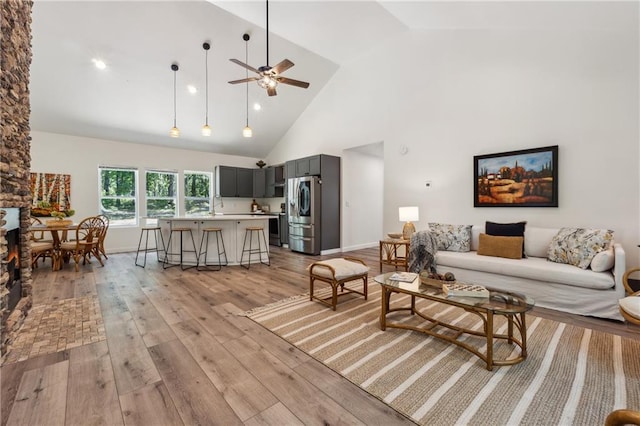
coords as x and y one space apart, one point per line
242 64
282 66
244 80
293 82
271 91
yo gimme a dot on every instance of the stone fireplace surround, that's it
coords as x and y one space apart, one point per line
15 157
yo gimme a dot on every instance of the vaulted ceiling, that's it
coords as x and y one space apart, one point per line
132 99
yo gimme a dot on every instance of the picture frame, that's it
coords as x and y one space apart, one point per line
524 178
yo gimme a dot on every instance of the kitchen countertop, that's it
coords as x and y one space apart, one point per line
233 216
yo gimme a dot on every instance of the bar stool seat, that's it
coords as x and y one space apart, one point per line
250 232
182 251
145 231
205 266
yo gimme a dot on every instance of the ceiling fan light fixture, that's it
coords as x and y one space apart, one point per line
267 82
174 132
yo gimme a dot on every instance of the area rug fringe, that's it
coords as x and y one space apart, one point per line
572 376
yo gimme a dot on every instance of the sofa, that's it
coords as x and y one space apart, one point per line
559 286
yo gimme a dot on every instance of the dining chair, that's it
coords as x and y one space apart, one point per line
103 235
86 243
41 248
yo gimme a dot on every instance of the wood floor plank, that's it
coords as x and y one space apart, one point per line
289 355
132 365
305 401
151 326
242 391
276 415
195 397
92 397
11 375
367 408
41 397
149 405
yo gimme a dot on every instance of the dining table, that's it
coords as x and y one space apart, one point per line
59 234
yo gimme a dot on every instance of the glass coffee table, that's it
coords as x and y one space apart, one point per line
512 306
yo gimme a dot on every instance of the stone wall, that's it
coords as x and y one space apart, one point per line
15 157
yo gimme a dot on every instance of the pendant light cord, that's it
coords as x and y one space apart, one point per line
174 98
206 87
246 72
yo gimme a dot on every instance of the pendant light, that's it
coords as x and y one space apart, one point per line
247 132
174 132
206 130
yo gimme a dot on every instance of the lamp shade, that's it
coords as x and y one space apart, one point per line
408 214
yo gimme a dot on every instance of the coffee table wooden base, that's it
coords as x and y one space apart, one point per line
515 322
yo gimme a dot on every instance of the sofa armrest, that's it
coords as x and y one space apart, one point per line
619 268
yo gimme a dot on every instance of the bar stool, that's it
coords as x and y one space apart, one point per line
182 231
212 266
249 233
145 231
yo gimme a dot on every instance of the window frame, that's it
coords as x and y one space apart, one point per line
189 198
176 197
118 223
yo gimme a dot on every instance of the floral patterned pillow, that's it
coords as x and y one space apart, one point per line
578 246
452 237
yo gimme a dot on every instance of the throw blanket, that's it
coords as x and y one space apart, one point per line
422 252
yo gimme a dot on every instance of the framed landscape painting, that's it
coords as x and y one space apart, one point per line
526 178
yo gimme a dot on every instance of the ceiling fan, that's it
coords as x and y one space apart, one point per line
269 77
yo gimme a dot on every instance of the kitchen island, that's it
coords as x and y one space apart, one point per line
233 232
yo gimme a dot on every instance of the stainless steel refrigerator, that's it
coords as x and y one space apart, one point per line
303 211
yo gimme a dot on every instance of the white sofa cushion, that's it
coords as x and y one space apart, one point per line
344 268
604 260
537 240
533 268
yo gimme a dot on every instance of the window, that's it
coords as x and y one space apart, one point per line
197 193
118 195
162 195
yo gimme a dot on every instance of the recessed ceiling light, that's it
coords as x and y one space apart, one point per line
99 64
257 106
192 89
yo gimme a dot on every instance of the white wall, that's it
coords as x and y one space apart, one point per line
362 197
80 157
448 95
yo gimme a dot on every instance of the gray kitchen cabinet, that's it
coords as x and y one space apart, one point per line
308 166
234 182
226 181
259 182
244 182
275 181
290 169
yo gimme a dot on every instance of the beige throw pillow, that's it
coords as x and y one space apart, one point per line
497 246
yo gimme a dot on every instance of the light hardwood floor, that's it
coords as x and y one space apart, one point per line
176 352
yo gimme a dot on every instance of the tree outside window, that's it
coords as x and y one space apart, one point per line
197 193
162 196
118 195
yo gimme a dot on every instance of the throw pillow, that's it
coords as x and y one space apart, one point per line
603 261
578 246
497 246
507 230
452 237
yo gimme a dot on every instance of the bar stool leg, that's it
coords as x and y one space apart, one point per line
224 250
164 249
142 231
266 249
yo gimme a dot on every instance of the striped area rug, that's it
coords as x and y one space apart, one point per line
572 376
